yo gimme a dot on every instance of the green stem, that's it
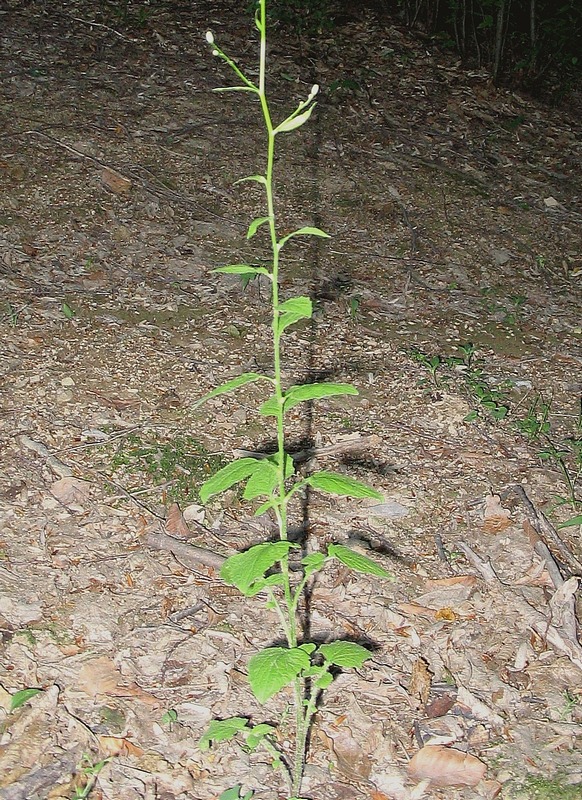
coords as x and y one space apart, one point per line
301 727
281 509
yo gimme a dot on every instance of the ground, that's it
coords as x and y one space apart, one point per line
449 295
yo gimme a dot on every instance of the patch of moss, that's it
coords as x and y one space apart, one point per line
178 463
538 788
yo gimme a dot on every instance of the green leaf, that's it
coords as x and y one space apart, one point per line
228 476
324 681
294 121
273 668
308 230
23 696
258 733
297 305
313 563
263 480
170 716
571 522
272 503
230 386
67 311
243 269
334 483
256 178
309 647
243 569
357 561
234 793
309 391
344 654
292 310
315 391
270 408
255 225
222 730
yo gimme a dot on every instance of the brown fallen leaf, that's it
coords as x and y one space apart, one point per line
118 746
175 524
100 676
115 181
70 491
446 766
496 518
350 757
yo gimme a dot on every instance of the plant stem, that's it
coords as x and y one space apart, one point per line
300 737
281 508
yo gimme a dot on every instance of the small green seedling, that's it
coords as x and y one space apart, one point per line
170 717
68 311
536 422
91 772
355 303
12 314
272 482
431 363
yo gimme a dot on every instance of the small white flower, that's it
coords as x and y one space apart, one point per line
314 91
209 37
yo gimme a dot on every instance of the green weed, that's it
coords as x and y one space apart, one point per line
538 788
179 463
12 314
431 364
564 453
90 772
272 481
444 369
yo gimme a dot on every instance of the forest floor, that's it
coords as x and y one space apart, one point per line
449 294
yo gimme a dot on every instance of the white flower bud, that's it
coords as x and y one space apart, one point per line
209 37
314 91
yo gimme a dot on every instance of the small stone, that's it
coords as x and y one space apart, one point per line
64 396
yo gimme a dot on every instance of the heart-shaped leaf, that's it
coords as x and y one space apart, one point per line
243 569
344 654
222 730
275 667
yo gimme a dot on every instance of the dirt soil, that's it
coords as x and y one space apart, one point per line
449 294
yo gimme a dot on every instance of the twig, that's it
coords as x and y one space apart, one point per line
563 600
190 555
547 532
56 466
94 24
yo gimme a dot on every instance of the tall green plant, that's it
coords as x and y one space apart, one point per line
265 568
